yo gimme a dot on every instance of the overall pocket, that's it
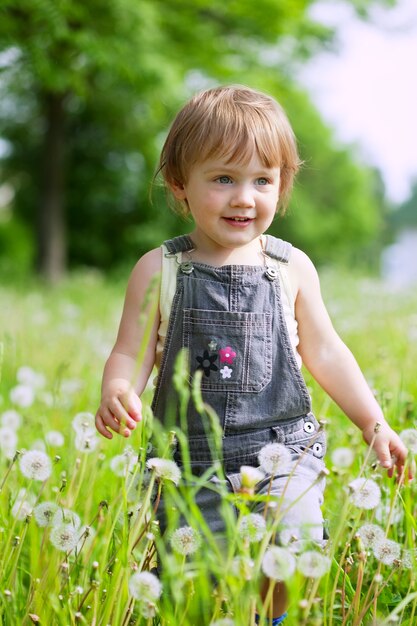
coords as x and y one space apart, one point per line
233 349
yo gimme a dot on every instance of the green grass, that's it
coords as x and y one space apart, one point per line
65 334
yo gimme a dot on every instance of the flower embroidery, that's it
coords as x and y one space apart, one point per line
206 362
227 355
212 346
226 372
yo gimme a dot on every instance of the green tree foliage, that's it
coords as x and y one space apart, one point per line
89 89
405 215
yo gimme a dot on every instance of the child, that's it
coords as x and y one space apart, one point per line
248 308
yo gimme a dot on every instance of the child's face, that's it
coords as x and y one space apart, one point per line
232 204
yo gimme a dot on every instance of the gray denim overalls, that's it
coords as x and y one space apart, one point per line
231 321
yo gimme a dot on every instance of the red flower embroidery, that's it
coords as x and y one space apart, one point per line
227 355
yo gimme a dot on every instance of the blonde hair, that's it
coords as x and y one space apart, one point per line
230 122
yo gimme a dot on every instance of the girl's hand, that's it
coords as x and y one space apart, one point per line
389 448
120 409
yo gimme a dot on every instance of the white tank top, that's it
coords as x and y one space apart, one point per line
169 285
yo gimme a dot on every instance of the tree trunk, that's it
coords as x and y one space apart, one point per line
51 233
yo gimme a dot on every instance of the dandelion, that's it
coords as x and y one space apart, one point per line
409 439
22 395
84 422
250 476
44 513
274 458
64 537
71 386
385 512
343 457
86 535
35 464
23 505
11 419
313 564
27 376
224 621
145 587
86 441
408 558
123 464
54 438
165 469
252 527
8 440
66 516
278 563
387 551
185 540
370 534
365 493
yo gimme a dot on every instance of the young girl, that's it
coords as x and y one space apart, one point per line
247 307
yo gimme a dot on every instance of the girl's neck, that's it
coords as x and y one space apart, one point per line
249 254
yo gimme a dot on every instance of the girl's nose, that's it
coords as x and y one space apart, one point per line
242 197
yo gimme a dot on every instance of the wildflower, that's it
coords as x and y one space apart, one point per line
185 540
27 376
385 512
8 441
86 535
387 551
86 441
250 476
23 505
408 558
145 587
22 395
35 464
70 386
365 493
278 563
123 464
409 439
54 438
370 534
313 564
274 458
64 537
224 621
44 513
342 457
165 469
252 527
11 419
84 423
66 516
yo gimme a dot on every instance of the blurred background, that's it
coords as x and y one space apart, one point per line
88 90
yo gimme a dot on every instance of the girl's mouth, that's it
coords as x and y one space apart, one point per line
238 220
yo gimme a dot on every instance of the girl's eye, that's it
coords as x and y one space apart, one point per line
262 181
224 180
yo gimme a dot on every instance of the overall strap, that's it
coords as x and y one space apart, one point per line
277 249
179 244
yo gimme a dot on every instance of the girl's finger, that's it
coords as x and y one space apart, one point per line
101 427
113 423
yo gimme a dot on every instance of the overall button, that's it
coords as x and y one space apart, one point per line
317 449
309 427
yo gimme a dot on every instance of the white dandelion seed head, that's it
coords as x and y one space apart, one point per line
147 609
342 457
165 469
66 516
22 396
185 540
408 558
145 587
250 476
370 534
409 439
387 551
54 438
11 419
27 376
274 458
124 464
278 563
64 537
44 513
385 512
23 505
313 564
70 386
8 438
86 442
35 464
364 493
252 527
84 423
39 444
224 621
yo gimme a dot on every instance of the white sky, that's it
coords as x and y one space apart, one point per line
367 88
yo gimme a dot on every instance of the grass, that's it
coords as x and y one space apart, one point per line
64 336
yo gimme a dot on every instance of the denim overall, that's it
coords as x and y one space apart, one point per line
231 321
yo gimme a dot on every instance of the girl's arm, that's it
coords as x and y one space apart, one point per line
334 367
122 384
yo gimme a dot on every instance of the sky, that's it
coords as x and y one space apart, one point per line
367 88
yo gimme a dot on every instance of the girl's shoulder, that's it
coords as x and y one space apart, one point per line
146 268
302 271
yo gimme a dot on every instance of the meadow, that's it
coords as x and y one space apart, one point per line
78 537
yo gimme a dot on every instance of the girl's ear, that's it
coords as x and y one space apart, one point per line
178 190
